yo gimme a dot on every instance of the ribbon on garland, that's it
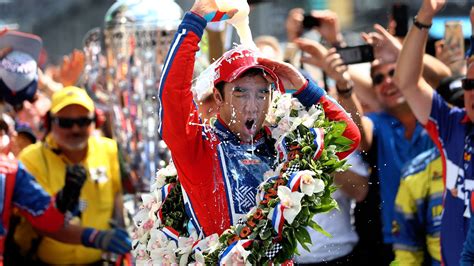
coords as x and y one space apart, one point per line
171 234
164 191
196 246
318 141
282 150
224 256
278 220
294 182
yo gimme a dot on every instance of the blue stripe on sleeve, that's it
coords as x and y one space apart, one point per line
193 22
310 95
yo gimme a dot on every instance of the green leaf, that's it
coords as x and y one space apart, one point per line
327 204
342 141
306 149
338 128
318 228
302 235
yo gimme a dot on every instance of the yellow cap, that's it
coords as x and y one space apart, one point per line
71 95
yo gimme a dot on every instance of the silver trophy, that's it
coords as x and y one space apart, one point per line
137 35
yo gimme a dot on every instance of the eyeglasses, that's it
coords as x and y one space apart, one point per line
468 84
69 122
380 77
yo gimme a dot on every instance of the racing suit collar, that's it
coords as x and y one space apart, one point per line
227 135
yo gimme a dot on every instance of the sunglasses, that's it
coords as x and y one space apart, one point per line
69 122
380 77
468 84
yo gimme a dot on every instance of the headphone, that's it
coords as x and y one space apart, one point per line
99 119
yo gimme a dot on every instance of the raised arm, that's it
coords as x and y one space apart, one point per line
309 93
177 111
417 92
331 63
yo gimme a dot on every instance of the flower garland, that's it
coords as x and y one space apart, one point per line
300 187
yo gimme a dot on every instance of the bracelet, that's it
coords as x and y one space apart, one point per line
420 25
345 93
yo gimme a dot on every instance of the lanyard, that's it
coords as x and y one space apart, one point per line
468 149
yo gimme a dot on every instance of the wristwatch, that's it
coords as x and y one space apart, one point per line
420 25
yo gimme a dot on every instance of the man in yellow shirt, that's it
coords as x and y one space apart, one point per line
69 142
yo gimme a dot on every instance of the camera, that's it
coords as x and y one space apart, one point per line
310 22
356 54
400 15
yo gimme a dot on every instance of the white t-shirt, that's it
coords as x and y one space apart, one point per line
338 223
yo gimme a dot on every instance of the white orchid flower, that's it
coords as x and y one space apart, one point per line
143 262
185 244
140 235
314 111
291 201
238 256
158 240
213 243
151 204
296 104
140 252
294 122
199 257
310 185
160 179
284 125
141 216
283 106
171 170
165 255
151 201
148 224
271 117
308 120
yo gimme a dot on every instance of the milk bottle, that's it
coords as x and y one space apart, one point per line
240 20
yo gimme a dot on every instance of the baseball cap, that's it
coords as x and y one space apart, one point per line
25 129
18 69
71 95
23 42
451 90
238 60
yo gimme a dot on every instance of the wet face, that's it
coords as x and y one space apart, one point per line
469 94
385 89
244 105
71 127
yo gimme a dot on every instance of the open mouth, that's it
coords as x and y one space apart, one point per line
390 92
249 124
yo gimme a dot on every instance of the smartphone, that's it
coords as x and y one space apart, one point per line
454 38
357 54
310 22
400 15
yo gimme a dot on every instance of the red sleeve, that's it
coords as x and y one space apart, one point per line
51 220
311 94
177 111
34 203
